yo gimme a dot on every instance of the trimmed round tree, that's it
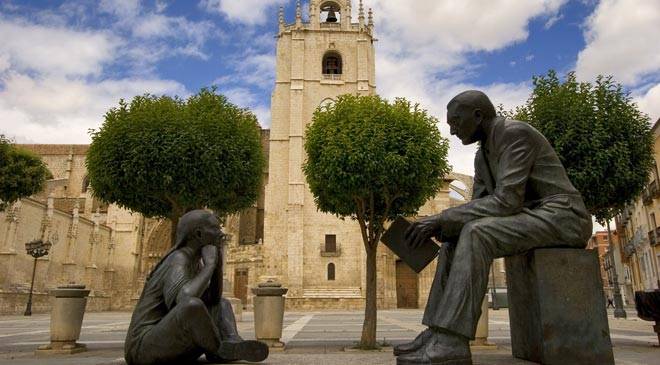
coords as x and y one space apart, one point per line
370 160
600 135
602 139
164 156
22 173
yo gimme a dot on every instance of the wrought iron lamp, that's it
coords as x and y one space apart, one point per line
35 248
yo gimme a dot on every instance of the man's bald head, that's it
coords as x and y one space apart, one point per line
474 99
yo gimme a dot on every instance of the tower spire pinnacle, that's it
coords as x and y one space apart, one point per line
298 15
361 14
280 17
312 8
371 18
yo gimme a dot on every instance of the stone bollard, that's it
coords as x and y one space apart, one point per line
269 312
481 336
66 320
236 304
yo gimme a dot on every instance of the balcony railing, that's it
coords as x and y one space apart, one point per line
332 76
330 25
647 198
654 189
335 253
625 215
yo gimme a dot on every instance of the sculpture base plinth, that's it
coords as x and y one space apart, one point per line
557 307
482 344
60 348
274 345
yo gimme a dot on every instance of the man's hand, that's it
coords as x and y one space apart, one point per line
210 255
421 230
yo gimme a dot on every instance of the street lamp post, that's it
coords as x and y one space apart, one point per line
36 249
619 312
493 291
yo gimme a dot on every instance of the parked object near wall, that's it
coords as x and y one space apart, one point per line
66 320
647 304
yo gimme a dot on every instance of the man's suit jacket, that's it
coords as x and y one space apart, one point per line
515 168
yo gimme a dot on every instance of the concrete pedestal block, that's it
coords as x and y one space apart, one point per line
236 304
481 336
237 308
66 320
269 313
557 307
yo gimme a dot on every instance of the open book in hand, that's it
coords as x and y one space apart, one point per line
417 258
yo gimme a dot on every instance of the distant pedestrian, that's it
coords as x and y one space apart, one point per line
610 302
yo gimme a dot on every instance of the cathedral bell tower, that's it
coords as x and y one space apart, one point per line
317 60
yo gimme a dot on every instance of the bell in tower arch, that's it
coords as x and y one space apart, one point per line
330 11
332 18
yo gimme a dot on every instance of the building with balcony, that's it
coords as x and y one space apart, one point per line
637 226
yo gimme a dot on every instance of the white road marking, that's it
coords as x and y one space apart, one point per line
98 326
416 327
292 330
112 342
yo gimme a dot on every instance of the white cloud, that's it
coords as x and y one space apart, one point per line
61 110
244 98
439 32
161 6
425 57
649 102
244 11
240 96
250 68
622 41
552 20
121 8
53 86
263 115
4 63
55 50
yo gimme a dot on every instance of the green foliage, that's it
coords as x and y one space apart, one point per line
22 173
601 137
372 159
163 156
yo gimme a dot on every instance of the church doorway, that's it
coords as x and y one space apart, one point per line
241 284
407 294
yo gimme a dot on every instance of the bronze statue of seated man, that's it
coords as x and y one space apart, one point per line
181 314
522 199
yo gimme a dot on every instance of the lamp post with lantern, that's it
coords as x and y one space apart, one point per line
35 248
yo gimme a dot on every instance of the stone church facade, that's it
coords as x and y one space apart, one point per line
318 257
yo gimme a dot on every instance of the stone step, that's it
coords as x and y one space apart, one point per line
350 292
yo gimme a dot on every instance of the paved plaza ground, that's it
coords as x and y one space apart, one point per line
311 337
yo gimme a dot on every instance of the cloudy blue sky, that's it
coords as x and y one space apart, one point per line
64 63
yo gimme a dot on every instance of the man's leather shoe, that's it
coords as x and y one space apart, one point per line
250 350
441 349
415 344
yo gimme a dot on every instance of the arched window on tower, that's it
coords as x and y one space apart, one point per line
331 271
332 64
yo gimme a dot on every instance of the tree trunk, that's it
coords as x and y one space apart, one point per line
368 340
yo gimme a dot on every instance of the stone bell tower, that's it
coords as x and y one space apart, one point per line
316 255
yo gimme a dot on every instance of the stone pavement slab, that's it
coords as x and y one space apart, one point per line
312 338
